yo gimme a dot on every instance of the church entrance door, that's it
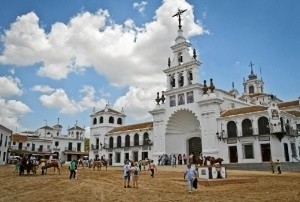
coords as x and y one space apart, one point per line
195 147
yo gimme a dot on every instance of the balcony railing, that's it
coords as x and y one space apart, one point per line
29 149
72 149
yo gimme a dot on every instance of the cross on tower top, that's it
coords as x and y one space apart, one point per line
251 65
179 12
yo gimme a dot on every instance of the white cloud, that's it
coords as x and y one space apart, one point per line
138 101
125 54
140 6
60 100
10 86
11 111
42 88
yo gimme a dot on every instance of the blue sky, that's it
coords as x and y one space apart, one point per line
61 59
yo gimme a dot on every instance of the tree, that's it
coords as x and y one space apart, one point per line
86 144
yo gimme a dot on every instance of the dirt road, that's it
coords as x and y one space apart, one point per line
167 185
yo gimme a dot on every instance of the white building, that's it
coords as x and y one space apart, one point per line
190 117
5 134
49 141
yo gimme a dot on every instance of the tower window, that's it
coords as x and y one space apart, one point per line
101 119
119 121
111 119
251 89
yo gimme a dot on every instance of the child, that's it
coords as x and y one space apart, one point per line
152 167
136 173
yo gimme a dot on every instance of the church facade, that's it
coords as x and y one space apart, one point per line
197 118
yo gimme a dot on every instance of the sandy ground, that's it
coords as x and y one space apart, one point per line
167 185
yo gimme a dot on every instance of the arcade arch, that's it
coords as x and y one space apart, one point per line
183 135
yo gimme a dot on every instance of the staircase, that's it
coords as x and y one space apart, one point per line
285 166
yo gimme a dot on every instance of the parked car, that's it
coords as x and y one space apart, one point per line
14 159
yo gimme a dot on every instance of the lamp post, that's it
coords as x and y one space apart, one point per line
218 135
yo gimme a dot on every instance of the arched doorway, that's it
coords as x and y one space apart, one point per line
183 133
195 147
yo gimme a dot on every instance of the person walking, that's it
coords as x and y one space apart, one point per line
126 174
72 168
278 166
272 167
136 172
151 168
184 159
189 175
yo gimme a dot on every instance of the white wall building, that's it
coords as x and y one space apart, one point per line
190 117
48 141
5 134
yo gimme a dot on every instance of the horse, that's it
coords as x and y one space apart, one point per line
103 163
28 165
218 161
83 163
52 164
97 164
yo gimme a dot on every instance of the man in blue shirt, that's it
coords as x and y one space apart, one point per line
189 175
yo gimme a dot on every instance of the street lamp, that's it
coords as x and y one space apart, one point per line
218 135
149 143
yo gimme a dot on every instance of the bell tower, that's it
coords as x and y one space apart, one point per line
183 69
253 85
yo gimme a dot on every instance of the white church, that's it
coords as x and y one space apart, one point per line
198 118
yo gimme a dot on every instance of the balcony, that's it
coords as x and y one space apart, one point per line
75 149
29 149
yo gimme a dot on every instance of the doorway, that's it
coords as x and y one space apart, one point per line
135 156
286 152
265 152
195 147
144 155
233 155
126 156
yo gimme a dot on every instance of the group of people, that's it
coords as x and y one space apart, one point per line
172 160
133 170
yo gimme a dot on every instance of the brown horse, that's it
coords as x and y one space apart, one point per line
52 164
103 163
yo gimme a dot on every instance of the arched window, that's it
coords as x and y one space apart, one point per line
231 129
119 121
263 125
111 142
136 139
119 141
251 89
101 119
145 138
127 141
247 127
94 121
111 120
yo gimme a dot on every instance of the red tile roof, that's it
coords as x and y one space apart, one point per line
18 138
288 104
243 110
132 127
294 113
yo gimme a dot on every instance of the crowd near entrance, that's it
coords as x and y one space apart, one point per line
194 147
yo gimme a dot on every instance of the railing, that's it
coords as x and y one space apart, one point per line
72 149
15 147
295 157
